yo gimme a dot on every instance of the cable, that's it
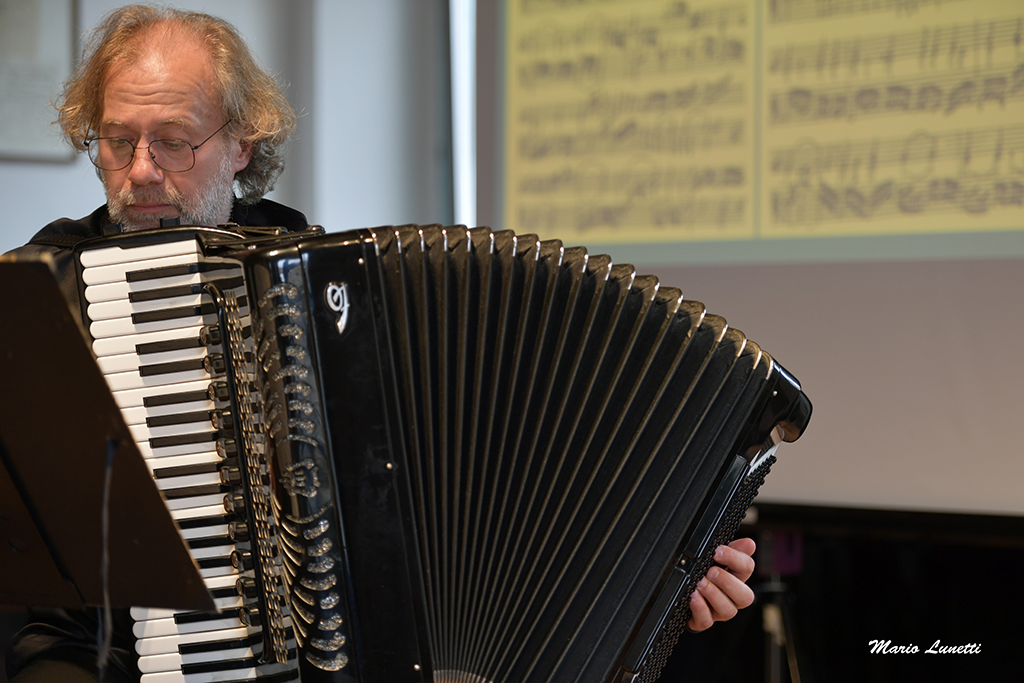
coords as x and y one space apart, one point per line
105 632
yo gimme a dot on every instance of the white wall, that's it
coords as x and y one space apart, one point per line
370 147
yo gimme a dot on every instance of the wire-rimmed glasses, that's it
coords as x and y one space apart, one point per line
173 156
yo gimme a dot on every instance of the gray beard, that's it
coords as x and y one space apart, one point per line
210 207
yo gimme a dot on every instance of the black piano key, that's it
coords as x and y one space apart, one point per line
183 290
167 368
180 312
169 345
199 617
200 522
218 645
220 665
179 419
211 542
172 399
185 470
200 490
213 562
172 313
182 439
226 592
173 271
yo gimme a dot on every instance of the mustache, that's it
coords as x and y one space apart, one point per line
126 197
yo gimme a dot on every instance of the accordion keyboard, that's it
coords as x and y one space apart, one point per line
158 346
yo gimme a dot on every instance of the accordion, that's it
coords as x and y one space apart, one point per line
429 454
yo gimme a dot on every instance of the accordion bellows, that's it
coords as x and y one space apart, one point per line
516 457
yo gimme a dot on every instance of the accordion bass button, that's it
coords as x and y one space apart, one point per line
226 448
238 531
223 420
246 587
250 616
209 335
214 364
241 560
218 391
234 502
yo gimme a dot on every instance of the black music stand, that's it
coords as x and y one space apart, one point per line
57 421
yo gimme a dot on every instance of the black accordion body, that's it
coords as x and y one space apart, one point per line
437 454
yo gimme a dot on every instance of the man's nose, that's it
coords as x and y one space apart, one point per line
144 170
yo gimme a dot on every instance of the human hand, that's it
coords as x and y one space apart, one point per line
723 591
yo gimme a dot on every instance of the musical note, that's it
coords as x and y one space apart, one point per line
784 11
652 118
925 95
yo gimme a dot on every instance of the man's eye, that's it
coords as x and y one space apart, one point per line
118 145
175 146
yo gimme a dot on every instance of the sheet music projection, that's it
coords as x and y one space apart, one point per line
629 120
658 121
912 127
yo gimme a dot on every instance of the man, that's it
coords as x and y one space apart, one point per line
174 112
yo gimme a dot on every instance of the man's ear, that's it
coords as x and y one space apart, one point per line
241 155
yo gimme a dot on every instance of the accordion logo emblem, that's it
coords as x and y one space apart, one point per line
336 296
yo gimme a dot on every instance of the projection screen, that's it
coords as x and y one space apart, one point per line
843 180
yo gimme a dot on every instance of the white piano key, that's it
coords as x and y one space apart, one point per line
114 346
173 661
169 644
140 432
209 572
204 458
197 511
167 451
210 531
95 258
231 602
195 501
125 362
122 326
117 272
167 627
134 397
139 414
243 674
171 483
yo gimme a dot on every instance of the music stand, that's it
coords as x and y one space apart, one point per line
57 421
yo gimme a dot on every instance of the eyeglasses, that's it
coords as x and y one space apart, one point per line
174 156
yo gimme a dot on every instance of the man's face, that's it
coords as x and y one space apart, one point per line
169 94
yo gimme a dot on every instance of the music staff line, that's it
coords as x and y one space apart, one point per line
930 48
589 69
793 11
630 136
925 95
807 203
678 17
726 214
724 91
971 152
637 182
